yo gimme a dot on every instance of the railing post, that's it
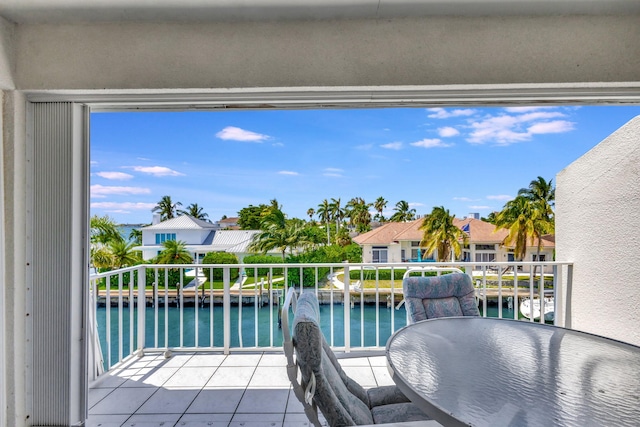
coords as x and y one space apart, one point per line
142 306
226 309
347 308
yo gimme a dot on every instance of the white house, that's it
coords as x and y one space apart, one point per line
200 237
400 242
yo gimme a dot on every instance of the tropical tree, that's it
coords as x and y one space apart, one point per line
166 208
311 212
103 230
520 217
441 235
174 252
542 194
357 210
136 236
195 211
278 233
123 254
249 218
337 212
324 213
403 212
379 206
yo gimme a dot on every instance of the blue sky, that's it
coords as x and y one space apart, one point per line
465 159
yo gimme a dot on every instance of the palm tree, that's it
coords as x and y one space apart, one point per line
123 254
357 210
278 233
135 235
174 252
324 213
166 208
311 212
519 216
379 206
103 230
195 211
337 212
542 194
403 212
441 235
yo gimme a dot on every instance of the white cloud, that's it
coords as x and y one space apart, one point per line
430 143
157 170
448 131
338 170
441 113
481 207
506 129
123 206
557 126
98 191
288 173
232 133
278 144
500 197
392 146
333 174
415 204
120 176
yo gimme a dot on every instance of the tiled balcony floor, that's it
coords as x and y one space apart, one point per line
210 389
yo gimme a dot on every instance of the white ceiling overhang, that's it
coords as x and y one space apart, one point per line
71 11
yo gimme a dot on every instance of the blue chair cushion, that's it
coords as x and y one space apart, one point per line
439 296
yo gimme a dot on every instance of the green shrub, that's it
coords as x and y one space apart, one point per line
219 258
263 259
173 277
383 274
324 254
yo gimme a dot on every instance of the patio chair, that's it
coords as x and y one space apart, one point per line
439 296
324 384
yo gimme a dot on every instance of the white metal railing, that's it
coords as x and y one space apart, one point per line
155 307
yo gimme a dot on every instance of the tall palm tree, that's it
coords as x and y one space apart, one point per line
174 252
542 194
195 211
519 216
103 230
136 236
166 208
324 213
337 212
403 212
311 212
441 235
379 206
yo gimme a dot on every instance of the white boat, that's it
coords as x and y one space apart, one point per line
549 310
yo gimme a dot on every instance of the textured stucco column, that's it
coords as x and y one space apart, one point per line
7 54
597 211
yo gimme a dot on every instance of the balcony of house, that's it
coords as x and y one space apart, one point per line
202 344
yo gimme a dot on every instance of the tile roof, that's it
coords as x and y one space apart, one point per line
479 232
183 222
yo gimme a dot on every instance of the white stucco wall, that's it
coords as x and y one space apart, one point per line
598 198
422 51
7 54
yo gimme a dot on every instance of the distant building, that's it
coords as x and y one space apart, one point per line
229 224
199 236
400 242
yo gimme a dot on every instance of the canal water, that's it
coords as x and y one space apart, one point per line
243 334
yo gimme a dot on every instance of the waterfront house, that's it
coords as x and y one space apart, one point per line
200 237
400 242
62 59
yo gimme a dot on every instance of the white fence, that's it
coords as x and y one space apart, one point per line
176 307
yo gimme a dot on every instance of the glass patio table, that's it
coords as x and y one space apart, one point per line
474 371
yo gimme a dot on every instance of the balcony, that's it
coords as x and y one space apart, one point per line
217 360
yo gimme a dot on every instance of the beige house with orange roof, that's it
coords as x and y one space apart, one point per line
400 242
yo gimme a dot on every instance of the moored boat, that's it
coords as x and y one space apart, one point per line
549 308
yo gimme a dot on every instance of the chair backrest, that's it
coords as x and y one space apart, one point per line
439 296
341 400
